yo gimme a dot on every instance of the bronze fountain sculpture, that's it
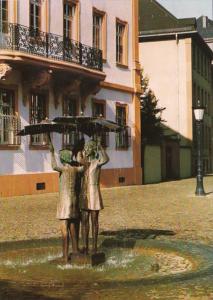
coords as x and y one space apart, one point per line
79 189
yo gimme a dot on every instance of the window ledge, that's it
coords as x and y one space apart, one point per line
38 147
9 147
121 65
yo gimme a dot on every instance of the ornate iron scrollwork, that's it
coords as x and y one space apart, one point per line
33 41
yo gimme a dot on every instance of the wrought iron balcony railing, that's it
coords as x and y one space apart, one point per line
21 38
9 127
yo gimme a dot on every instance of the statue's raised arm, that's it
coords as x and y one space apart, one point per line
103 158
52 151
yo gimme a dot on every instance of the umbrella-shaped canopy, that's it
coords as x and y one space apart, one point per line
45 127
73 119
90 125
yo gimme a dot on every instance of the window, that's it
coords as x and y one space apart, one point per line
69 20
3 16
70 108
194 92
202 97
208 70
121 42
122 138
99 31
9 121
198 59
99 110
209 105
201 63
38 112
205 67
198 94
194 56
35 17
205 101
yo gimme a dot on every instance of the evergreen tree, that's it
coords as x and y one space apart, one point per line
151 114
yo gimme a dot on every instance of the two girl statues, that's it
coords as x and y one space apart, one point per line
79 194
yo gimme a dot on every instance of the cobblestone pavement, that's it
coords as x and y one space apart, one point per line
157 209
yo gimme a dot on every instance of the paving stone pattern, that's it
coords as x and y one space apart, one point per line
154 209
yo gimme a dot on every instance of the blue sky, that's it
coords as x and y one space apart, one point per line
188 8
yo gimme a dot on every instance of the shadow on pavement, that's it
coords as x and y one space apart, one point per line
137 233
209 193
9 291
126 238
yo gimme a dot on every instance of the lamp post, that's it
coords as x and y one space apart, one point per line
199 113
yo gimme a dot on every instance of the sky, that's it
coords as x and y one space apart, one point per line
188 8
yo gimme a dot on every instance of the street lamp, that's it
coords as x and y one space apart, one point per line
199 113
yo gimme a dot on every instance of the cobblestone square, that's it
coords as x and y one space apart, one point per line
169 206
167 212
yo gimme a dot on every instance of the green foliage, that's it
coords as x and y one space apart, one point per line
151 114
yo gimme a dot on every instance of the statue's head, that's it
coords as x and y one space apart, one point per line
90 148
66 156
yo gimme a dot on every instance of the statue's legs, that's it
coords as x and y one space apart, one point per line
73 235
95 228
77 229
85 230
65 238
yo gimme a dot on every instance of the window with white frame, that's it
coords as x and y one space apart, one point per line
38 113
9 121
121 42
99 110
69 20
70 108
35 16
122 138
3 16
97 31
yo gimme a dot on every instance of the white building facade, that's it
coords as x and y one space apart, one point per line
61 58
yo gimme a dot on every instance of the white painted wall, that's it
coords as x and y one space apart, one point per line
25 160
165 64
115 9
122 158
30 161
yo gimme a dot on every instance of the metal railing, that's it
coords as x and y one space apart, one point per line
25 39
9 127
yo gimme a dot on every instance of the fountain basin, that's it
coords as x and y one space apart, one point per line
130 265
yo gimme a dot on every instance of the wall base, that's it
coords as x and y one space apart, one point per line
39 183
27 184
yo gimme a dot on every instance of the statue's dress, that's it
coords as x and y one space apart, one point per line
68 205
90 196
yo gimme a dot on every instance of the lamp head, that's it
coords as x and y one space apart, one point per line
198 111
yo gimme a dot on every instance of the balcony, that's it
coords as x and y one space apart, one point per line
27 40
9 127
